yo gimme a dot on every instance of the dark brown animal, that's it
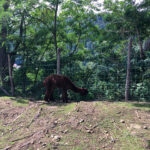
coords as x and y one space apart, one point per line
62 82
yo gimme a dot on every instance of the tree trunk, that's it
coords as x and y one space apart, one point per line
58 61
127 86
10 75
3 54
55 38
142 56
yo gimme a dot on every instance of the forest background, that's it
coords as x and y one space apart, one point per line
103 46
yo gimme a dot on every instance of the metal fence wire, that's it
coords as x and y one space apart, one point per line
104 82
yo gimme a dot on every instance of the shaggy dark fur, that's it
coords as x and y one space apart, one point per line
63 82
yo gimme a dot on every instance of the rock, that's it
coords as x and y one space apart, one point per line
52 136
57 138
44 144
113 141
82 120
89 131
65 131
122 121
106 132
145 127
55 122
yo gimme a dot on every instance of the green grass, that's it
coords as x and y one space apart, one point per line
142 106
106 117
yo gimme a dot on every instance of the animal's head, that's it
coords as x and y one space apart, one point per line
84 91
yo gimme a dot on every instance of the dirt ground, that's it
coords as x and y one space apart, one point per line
94 125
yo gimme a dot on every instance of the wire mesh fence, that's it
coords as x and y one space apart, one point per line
104 82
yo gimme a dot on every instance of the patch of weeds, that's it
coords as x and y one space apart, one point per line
78 147
148 144
65 109
7 97
126 140
20 102
130 142
106 124
142 106
68 108
4 141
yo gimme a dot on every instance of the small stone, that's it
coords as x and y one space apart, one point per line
44 144
82 120
122 121
113 141
89 131
55 122
113 121
52 136
106 132
145 127
65 131
57 138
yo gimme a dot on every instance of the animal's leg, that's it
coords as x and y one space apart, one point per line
64 96
49 94
46 95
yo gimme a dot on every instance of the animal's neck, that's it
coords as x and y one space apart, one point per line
76 89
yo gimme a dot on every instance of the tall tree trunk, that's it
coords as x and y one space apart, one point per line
127 86
55 38
10 75
25 59
142 56
58 61
3 54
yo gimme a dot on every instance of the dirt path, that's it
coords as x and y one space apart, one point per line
75 126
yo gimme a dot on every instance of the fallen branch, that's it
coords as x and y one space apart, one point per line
4 91
35 117
137 114
23 137
7 148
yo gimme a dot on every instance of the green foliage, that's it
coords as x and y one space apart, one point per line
93 46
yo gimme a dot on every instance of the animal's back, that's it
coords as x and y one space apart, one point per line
59 81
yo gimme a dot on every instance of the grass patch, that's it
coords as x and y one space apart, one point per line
127 141
142 106
20 102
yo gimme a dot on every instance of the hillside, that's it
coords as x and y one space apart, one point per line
94 125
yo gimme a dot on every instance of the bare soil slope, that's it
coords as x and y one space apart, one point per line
75 126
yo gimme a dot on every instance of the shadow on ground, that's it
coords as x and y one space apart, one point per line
59 102
141 105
